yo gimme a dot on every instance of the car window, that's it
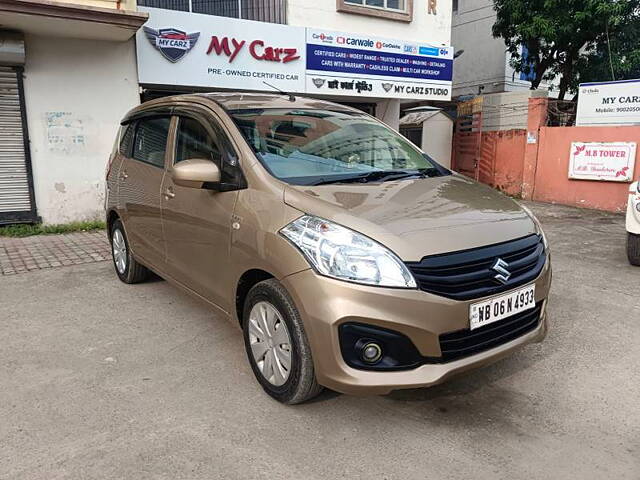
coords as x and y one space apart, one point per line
126 138
151 140
193 141
309 146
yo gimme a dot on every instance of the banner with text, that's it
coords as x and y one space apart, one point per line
195 50
609 103
612 161
185 49
358 65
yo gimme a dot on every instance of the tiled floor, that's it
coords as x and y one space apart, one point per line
20 255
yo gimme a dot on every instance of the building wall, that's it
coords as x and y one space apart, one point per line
506 150
437 133
551 174
76 93
508 110
433 29
117 4
485 62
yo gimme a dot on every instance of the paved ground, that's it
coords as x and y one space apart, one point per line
103 380
20 255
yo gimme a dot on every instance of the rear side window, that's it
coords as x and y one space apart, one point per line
194 141
126 138
151 140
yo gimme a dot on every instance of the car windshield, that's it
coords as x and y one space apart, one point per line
313 147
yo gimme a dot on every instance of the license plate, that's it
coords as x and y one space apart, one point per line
497 308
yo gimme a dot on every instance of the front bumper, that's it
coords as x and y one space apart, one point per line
325 304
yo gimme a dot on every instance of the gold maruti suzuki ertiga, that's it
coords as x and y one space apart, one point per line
349 258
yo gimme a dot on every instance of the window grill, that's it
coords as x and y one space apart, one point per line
270 11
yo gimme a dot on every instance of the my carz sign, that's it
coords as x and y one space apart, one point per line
611 162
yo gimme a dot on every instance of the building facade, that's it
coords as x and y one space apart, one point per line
484 67
68 75
74 69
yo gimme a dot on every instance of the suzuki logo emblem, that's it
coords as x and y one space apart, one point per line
502 274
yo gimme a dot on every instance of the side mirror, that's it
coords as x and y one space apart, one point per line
196 173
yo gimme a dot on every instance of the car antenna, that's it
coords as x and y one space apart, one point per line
290 95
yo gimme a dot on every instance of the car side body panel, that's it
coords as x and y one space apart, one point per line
633 212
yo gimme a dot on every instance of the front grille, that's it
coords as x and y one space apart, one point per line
462 343
468 274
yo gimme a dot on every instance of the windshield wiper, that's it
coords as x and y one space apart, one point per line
382 176
420 172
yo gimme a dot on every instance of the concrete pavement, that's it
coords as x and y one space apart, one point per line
103 380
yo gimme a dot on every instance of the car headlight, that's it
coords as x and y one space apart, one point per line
338 252
539 229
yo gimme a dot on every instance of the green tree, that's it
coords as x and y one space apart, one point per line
557 33
616 57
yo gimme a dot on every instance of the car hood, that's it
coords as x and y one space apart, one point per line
420 217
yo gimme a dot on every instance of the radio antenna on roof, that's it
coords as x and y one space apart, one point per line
290 95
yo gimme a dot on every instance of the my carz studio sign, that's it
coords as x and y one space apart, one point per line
611 162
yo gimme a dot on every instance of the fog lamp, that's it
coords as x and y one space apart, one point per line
371 352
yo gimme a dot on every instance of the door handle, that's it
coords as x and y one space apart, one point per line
123 175
169 193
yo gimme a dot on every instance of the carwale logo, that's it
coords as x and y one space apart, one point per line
172 43
356 42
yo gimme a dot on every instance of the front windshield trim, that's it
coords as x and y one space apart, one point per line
294 120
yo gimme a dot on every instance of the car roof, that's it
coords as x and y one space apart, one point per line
234 101
238 101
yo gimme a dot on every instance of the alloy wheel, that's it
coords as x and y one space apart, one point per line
119 251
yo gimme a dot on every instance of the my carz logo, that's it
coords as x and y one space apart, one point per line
172 43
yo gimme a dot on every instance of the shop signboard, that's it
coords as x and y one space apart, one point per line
185 49
611 161
340 63
609 103
194 50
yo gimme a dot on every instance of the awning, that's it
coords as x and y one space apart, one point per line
58 19
416 118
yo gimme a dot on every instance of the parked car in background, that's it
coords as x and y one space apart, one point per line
633 224
349 258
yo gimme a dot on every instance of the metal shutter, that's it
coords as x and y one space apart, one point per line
15 193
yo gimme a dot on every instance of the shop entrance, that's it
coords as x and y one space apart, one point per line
17 202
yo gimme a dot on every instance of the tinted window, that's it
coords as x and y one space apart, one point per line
151 140
126 139
194 141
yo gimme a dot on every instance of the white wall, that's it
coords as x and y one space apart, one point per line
76 93
437 138
434 29
389 112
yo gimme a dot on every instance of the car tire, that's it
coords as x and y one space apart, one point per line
267 309
128 269
633 248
